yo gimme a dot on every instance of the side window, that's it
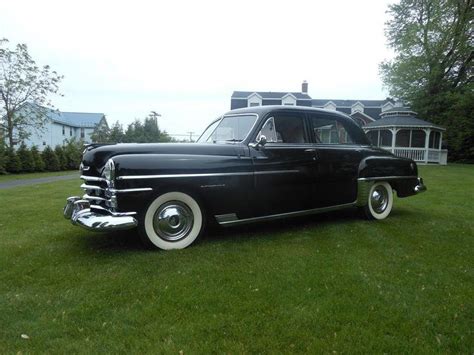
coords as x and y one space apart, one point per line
328 130
268 130
284 128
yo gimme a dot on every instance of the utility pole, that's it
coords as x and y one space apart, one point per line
155 116
190 136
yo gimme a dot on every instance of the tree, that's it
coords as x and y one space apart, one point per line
13 163
50 159
26 159
73 154
37 159
101 133
146 132
59 151
432 69
23 82
2 158
116 134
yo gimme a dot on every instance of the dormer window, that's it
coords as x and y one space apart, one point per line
288 100
254 100
330 106
357 107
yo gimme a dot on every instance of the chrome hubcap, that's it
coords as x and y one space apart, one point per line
379 199
173 221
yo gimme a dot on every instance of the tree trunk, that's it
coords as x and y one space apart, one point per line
10 129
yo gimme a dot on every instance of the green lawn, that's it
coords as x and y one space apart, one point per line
329 283
9 177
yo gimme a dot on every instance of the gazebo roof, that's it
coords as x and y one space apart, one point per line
396 109
407 121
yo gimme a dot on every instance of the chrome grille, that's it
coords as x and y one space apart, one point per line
95 189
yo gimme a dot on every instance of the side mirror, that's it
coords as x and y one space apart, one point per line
261 142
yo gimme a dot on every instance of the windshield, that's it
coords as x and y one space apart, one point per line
228 129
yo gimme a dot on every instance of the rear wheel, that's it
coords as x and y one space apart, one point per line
380 201
173 220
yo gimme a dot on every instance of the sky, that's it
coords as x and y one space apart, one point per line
183 59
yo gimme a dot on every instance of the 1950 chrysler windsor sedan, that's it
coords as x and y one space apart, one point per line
252 164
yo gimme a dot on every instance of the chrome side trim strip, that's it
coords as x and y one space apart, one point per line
92 178
265 172
386 178
224 220
166 176
123 191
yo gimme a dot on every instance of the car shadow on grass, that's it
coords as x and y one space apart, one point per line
129 242
273 229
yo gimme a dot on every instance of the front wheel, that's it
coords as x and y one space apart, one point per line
380 201
173 220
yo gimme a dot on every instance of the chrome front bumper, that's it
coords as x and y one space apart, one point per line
420 187
97 218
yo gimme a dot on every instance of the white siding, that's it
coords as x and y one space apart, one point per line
52 135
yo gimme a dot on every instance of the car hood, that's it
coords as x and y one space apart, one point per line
95 156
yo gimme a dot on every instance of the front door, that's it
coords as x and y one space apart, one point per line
284 166
338 158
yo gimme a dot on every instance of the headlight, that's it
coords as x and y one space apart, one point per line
109 170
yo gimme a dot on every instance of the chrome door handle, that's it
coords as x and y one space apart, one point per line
313 151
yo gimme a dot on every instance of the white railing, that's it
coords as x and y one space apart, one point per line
416 154
420 154
434 156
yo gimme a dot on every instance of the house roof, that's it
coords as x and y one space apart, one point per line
349 103
401 121
362 116
269 95
76 119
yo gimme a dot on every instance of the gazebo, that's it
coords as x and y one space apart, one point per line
401 132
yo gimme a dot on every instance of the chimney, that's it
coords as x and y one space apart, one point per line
304 87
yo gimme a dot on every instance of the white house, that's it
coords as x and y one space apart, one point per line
63 126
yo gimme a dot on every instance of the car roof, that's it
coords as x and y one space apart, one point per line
263 110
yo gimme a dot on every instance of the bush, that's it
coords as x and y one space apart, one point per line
37 159
13 163
72 154
2 159
26 159
61 157
50 159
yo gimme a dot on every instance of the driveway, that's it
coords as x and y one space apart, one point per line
26 182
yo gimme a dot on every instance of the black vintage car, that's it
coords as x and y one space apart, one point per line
252 164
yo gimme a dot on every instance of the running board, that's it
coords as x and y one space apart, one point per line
231 219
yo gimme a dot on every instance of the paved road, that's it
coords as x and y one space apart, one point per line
26 182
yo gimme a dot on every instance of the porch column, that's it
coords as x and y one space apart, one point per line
394 137
427 143
440 139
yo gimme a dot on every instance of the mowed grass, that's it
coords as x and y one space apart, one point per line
327 283
10 177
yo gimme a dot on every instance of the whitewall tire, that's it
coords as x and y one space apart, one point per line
173 220
380 201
